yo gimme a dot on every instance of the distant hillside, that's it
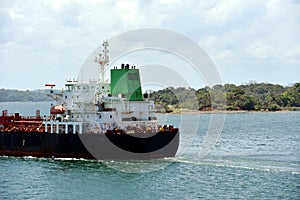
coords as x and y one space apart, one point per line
18 95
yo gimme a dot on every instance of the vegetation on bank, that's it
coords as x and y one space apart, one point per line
19 95
251 97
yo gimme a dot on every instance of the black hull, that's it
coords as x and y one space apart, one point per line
90 146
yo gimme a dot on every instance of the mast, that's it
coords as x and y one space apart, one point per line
102 59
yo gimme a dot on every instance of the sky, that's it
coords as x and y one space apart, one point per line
48 41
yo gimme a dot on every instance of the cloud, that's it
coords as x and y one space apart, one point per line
292 55
59 34
261 50
127 12
225 54
15 14
224 11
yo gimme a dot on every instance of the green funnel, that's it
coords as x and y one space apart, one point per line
126 81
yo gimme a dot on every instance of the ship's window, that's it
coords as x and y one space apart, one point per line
66 97
87 116
110 116
100 116
102 87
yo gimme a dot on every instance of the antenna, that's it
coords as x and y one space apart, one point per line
103 59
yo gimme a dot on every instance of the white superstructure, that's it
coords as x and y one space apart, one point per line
90 108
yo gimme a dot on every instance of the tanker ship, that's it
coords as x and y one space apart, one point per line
92 120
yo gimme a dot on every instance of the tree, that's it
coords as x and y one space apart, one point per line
204 100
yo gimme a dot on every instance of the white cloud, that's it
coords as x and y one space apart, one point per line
224 11
224 54
262 50
128 13
229 31
293 55
15 14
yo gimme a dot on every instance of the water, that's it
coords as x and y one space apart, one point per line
256 157
26 108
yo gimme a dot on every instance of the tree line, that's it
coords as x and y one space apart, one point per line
19 95
251 96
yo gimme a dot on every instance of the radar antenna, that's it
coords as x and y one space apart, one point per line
102 59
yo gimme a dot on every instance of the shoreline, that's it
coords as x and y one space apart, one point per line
224 112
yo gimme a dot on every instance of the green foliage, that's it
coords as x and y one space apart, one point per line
204 100
17 95
167 96
252 96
